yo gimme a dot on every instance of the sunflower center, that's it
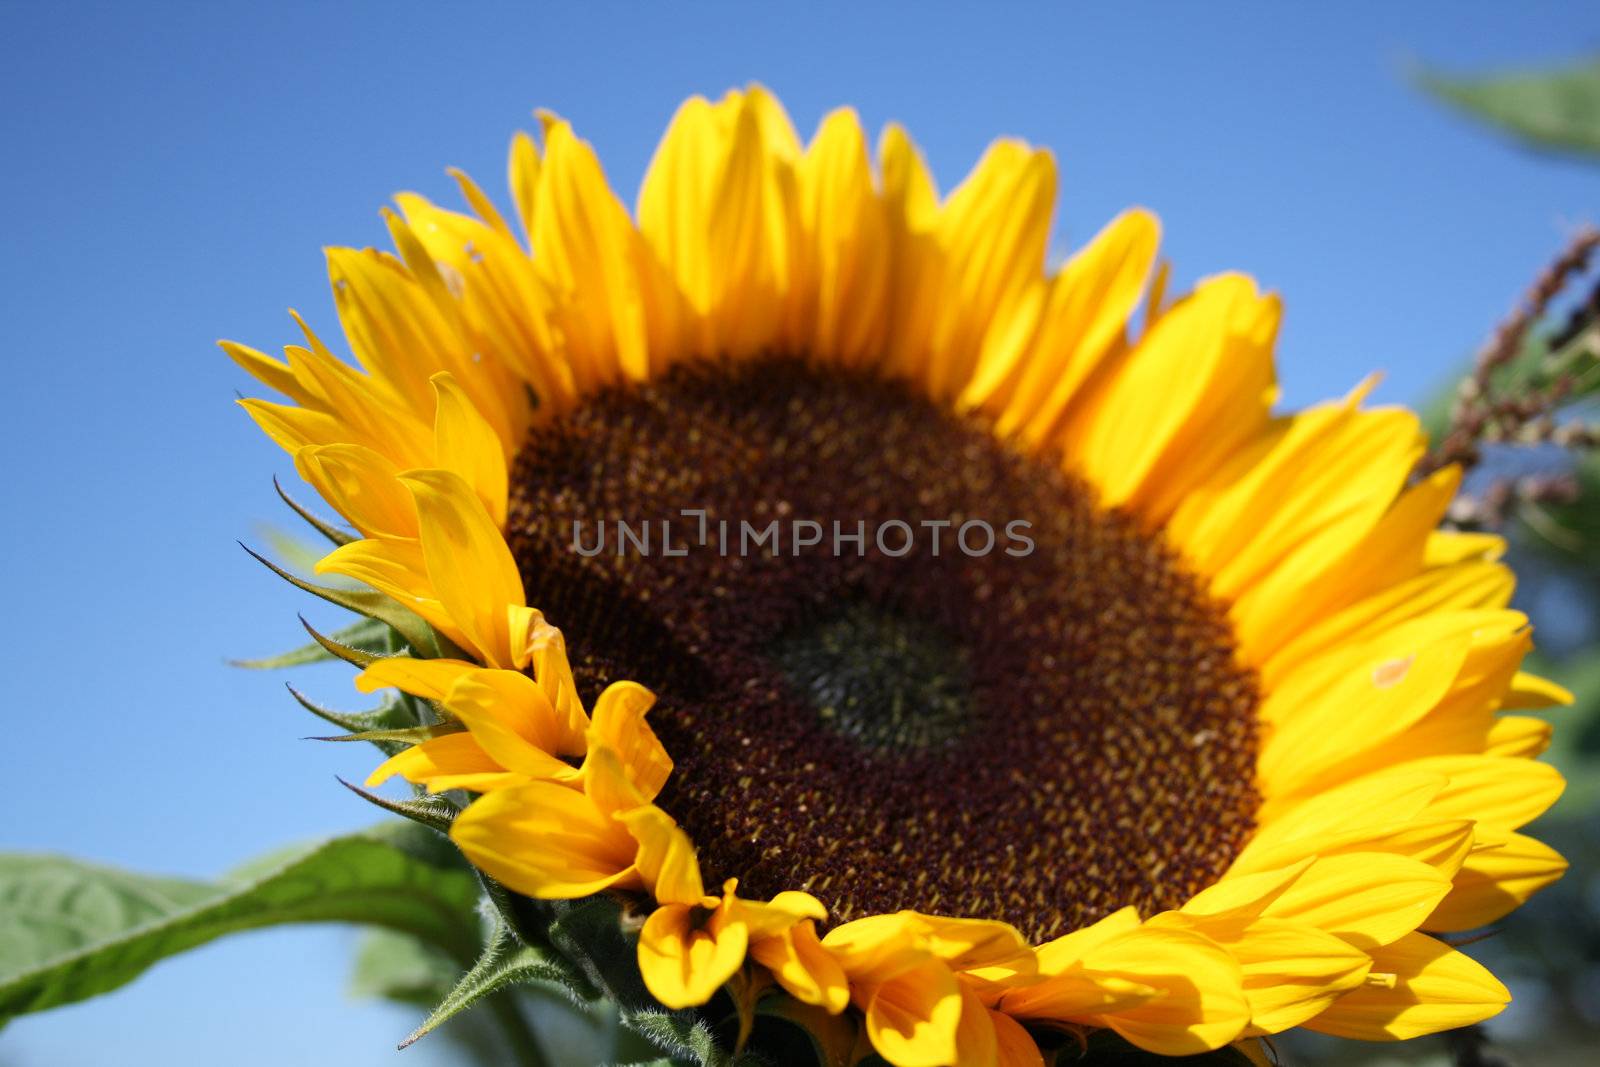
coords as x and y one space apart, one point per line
884 681
898 663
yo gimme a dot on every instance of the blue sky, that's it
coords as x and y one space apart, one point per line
173 170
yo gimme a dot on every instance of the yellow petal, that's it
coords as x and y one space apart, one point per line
396 569
1357 698
1014 1046
1366 898
842 311
990 955
439 757
362 486
1088 306
479 201
666 859
1056 956
469 565
1522 736
876 947
271 373
510 718
292 428
1531 691
1434 988
803 967
465 444
619 727
1497 792
524 178
394 329
1454 546
976 1042
992 232
589 252
912 1018
1329 478
1462 587
1202 1005
1077 995
765 918
1379 799
1198 386
1389 554
553 671
685 960
751 231
675 196
430 679
503 306
543 840
1291 971
1496 880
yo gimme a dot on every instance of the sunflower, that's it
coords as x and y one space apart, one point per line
1209 743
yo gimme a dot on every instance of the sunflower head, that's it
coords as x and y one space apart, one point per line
907 634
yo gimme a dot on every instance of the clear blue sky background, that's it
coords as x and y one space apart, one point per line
171 171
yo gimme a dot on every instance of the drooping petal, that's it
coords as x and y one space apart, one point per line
912 1017
543 840
685 960
469 565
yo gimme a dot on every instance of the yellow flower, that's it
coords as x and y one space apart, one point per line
1193 726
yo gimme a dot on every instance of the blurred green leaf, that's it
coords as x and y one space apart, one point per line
70 930
396 966
1557 109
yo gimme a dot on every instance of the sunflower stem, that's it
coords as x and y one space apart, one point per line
1469 1047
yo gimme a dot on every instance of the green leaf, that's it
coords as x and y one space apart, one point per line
70 931
396 966
394 714
505 964
404 735
1557 108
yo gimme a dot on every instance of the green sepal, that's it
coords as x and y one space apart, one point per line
507 961
529 919
394 715
356 657
595 934
591 933
436 813
368 636
406 735
681 1035
322 526
73 930
422 638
